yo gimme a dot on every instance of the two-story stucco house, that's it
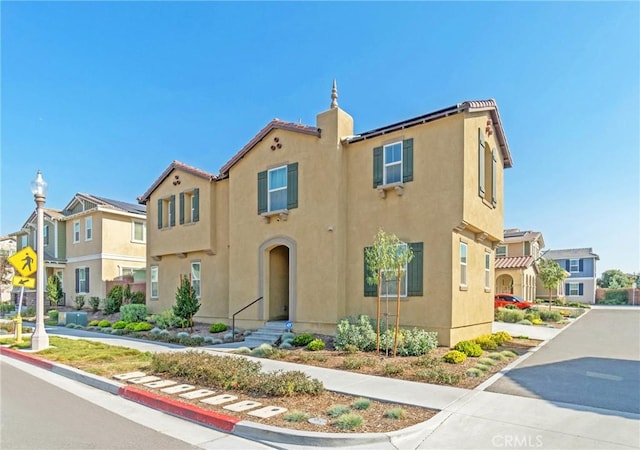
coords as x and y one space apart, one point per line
89 242
289 216
580 285
515 263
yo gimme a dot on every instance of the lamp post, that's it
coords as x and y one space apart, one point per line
39 339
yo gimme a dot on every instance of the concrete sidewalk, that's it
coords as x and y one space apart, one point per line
467 418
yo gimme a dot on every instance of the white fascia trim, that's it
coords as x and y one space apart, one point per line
102 256
108 210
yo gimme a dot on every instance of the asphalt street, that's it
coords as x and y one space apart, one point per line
594 363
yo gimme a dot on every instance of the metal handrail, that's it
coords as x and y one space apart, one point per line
233 318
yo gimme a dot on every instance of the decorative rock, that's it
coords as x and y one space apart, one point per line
317 421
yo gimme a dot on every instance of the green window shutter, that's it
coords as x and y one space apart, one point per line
181 208
292 186
407 160
494 173
415 271
370 290
480 165
172 208
86 277
262 192
159 214
77 280
377 166
196 205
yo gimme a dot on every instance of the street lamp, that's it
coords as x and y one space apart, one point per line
39 339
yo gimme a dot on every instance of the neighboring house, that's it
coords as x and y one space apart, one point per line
54 245
580 285
516 269
91 241
7 248
288 219
105 240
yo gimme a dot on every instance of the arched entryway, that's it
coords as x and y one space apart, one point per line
278 283
277 266
504 284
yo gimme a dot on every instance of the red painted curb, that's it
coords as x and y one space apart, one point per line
26 357
180 409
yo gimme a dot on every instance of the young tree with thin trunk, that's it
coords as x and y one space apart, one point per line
387 255
551 275
187 304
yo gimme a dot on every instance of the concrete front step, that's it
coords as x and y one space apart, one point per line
268 334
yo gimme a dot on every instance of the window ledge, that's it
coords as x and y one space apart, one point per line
464 287
280 215
488 204
487 290
383 188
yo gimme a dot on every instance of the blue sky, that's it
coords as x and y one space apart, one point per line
102 96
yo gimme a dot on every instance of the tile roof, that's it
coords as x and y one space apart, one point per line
173 166
514 262
275 124
470 105
569 253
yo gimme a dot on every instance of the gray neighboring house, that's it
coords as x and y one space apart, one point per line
580 285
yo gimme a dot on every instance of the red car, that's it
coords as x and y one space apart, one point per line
504 300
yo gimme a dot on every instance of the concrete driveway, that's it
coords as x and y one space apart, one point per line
594 363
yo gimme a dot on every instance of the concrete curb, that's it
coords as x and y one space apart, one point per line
211 419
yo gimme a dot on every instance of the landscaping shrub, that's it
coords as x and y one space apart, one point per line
120 324
79 301
417 342
296 416
469 348
537 322
392 369
94 303
286 384
495 356
288 336
302 339
483 367
166 319
142 326
615 297
349 421
6 307
110 306
508 354
532 314
426 361
93 323
118 332
361 403
133 313
338 410
53 315
550 316
353 363
116 296
395 413
511 315
501 337
138 298
217 328
454 357
524 322
355 331
474 372
315 345
155 331
486 342
487 361
131 326
286 345
104 324
263 351
29 311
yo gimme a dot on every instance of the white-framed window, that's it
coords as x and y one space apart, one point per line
154 281
82 282
574 288
487 270
45 234
76 231
392 169
138 231
574 265
24 241
389 286
88 228
501 250
463 264
195 277
277 197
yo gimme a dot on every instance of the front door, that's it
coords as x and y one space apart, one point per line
279 283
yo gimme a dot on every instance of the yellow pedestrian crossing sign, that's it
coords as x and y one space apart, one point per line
25 261
26 282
